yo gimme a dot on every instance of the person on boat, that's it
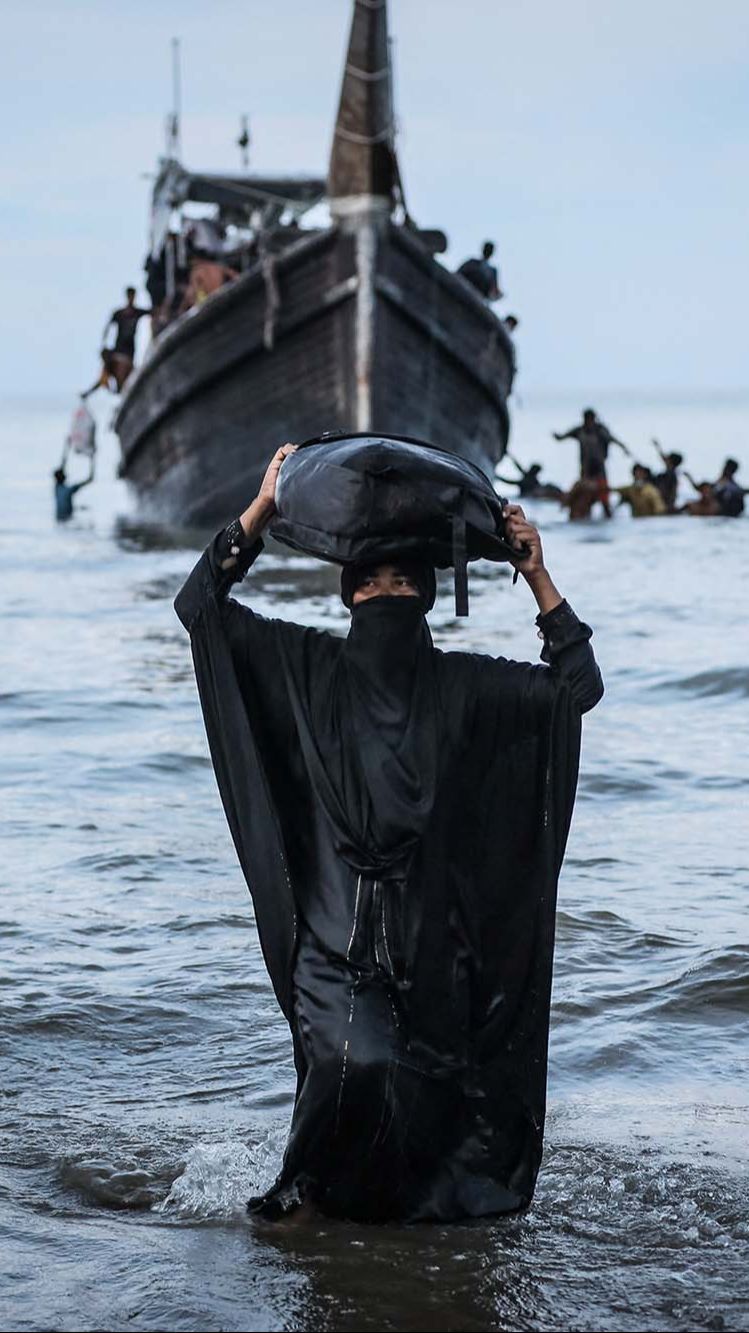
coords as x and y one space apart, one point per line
118 361
668 480
706 506
400 815
511 322
64 492
728 492
481 274
156 286
206 277
642 495
594 439
529 482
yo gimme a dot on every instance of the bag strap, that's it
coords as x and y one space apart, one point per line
460 565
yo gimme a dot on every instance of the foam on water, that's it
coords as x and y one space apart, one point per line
219 1178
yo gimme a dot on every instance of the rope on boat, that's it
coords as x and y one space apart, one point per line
272 297
367 139
368 75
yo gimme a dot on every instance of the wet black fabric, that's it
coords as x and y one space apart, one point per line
367 724
400 815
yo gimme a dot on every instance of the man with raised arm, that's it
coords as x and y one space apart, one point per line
400 814
594 439
64 491
667 481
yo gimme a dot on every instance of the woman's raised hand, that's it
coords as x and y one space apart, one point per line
258 515
267 493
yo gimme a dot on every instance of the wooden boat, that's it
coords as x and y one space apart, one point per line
354 326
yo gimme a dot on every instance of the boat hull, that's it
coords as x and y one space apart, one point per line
351 329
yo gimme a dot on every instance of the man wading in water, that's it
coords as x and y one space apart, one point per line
400 815
594 439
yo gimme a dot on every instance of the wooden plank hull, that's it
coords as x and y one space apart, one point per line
352 329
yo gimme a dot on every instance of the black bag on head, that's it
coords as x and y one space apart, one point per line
359 498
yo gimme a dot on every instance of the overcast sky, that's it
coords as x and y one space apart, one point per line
601 143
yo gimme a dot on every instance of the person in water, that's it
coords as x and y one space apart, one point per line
642 495
668 480
400 814
729 492
529 482
580 499
64 492
594 439
706 506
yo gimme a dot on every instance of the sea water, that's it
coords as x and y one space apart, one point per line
146 1079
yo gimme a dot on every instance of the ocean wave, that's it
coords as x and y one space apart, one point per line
592 784
708 991
103 1023
109 1185
711 684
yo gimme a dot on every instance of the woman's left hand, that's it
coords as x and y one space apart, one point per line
519 533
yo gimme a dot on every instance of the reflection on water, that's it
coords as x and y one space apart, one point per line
147 1077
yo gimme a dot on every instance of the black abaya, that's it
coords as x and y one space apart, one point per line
400 815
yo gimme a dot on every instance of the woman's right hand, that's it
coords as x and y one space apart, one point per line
266 496
258 515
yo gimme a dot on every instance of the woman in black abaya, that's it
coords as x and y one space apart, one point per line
400 815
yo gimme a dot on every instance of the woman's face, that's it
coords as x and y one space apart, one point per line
385 581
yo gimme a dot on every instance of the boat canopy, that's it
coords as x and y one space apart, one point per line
175 186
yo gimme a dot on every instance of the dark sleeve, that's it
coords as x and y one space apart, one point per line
249 725
223 563
568 653
253 641
520 696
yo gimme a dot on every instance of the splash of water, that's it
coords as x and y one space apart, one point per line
219 1178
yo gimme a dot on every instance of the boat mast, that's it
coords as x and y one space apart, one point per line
362 173
363 178
174 119
173 154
